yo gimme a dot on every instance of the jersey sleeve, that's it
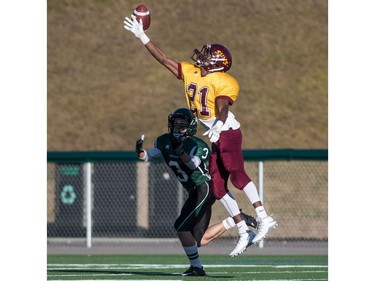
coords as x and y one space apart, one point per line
180 75
202 151
156 152
183 69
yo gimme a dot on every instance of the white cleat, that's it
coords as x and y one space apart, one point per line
264 226
245 240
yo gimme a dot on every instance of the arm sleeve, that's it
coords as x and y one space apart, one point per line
151 154
193 163
180 75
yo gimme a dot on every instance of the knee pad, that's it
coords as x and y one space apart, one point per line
218 194
239 179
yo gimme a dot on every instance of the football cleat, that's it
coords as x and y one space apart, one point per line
244 240
194 271
264 226
249 220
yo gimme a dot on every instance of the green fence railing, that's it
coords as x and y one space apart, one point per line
249 155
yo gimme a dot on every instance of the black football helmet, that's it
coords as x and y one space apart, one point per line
191 123
213 57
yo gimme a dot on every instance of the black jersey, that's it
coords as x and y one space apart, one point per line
194 147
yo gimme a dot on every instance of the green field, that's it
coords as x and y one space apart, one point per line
169 267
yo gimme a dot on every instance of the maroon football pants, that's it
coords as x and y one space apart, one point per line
226 161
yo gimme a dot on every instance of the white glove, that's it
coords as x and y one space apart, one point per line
136 28
214 132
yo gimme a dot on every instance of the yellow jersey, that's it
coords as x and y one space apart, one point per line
202 92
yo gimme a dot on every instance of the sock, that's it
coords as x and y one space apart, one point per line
261 212
192 254
230 204
251 192
242 227
229 223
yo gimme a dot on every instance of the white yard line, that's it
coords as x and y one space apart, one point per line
182 280
125 280
52 266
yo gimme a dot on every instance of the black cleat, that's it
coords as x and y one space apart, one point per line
249 220
194 271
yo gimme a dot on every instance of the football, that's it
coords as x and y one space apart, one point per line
141 12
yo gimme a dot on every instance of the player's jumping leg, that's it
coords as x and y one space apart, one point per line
219 182
265 223
232 159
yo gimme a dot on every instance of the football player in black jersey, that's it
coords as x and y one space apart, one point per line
188 157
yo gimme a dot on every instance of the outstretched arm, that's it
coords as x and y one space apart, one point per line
136 28
144 154
162 58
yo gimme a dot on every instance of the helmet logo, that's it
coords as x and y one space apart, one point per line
221 57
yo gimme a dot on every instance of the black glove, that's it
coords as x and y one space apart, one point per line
249 220
139 146
176 145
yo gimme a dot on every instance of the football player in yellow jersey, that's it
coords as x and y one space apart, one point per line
209 92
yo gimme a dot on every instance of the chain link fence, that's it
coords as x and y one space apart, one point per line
129 199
